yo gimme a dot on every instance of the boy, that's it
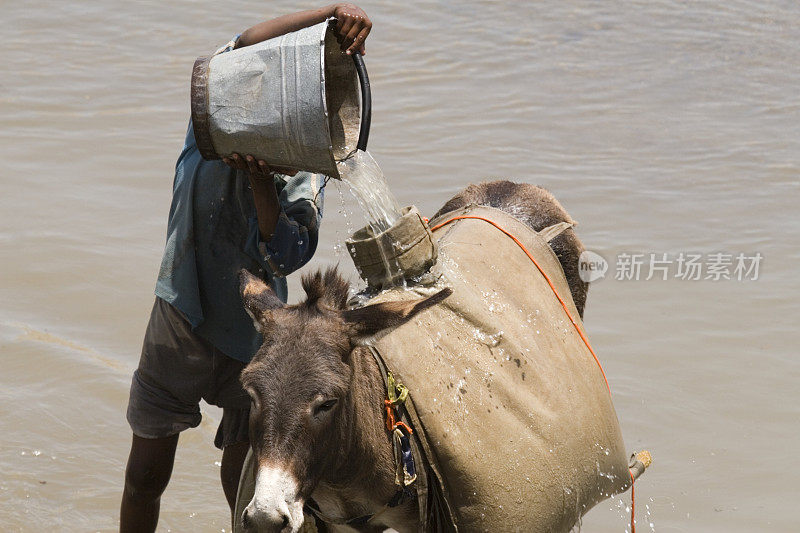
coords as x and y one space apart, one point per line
225 215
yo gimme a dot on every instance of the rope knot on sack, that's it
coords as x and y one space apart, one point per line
396 394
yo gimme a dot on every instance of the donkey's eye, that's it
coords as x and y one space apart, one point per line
324 406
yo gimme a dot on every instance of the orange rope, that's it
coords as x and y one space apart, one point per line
391 422
633 503
546 277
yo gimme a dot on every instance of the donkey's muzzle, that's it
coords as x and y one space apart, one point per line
275 507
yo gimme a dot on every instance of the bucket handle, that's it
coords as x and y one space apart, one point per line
366 101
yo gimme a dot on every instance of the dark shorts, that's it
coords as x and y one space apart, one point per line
177 369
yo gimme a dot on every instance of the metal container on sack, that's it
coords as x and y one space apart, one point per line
292 101
404 251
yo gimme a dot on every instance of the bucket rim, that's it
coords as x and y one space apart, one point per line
199 109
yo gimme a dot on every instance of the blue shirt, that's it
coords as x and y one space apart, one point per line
212 233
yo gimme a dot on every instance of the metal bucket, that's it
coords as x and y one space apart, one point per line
292 101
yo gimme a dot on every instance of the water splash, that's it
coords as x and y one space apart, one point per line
338 246
368 184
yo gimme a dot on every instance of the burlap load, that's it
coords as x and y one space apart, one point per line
514 413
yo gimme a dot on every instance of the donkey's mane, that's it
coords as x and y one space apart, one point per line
327 287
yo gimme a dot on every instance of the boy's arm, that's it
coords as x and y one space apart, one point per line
265 197
353 26
286 228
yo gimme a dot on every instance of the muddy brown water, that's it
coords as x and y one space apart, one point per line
664 127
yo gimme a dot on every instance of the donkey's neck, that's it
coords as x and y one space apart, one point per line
369 454
363 481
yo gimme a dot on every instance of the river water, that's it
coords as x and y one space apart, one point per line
664 127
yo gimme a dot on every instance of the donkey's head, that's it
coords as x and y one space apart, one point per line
301 414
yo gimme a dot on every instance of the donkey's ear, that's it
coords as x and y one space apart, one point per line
367 321
259 300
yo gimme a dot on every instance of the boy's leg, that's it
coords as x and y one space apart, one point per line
146 476
232 461
175 367
233 431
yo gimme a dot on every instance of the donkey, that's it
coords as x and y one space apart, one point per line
317 410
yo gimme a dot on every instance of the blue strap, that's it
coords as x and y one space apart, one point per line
407 457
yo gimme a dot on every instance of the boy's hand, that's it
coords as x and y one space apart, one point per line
353 26
258 169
